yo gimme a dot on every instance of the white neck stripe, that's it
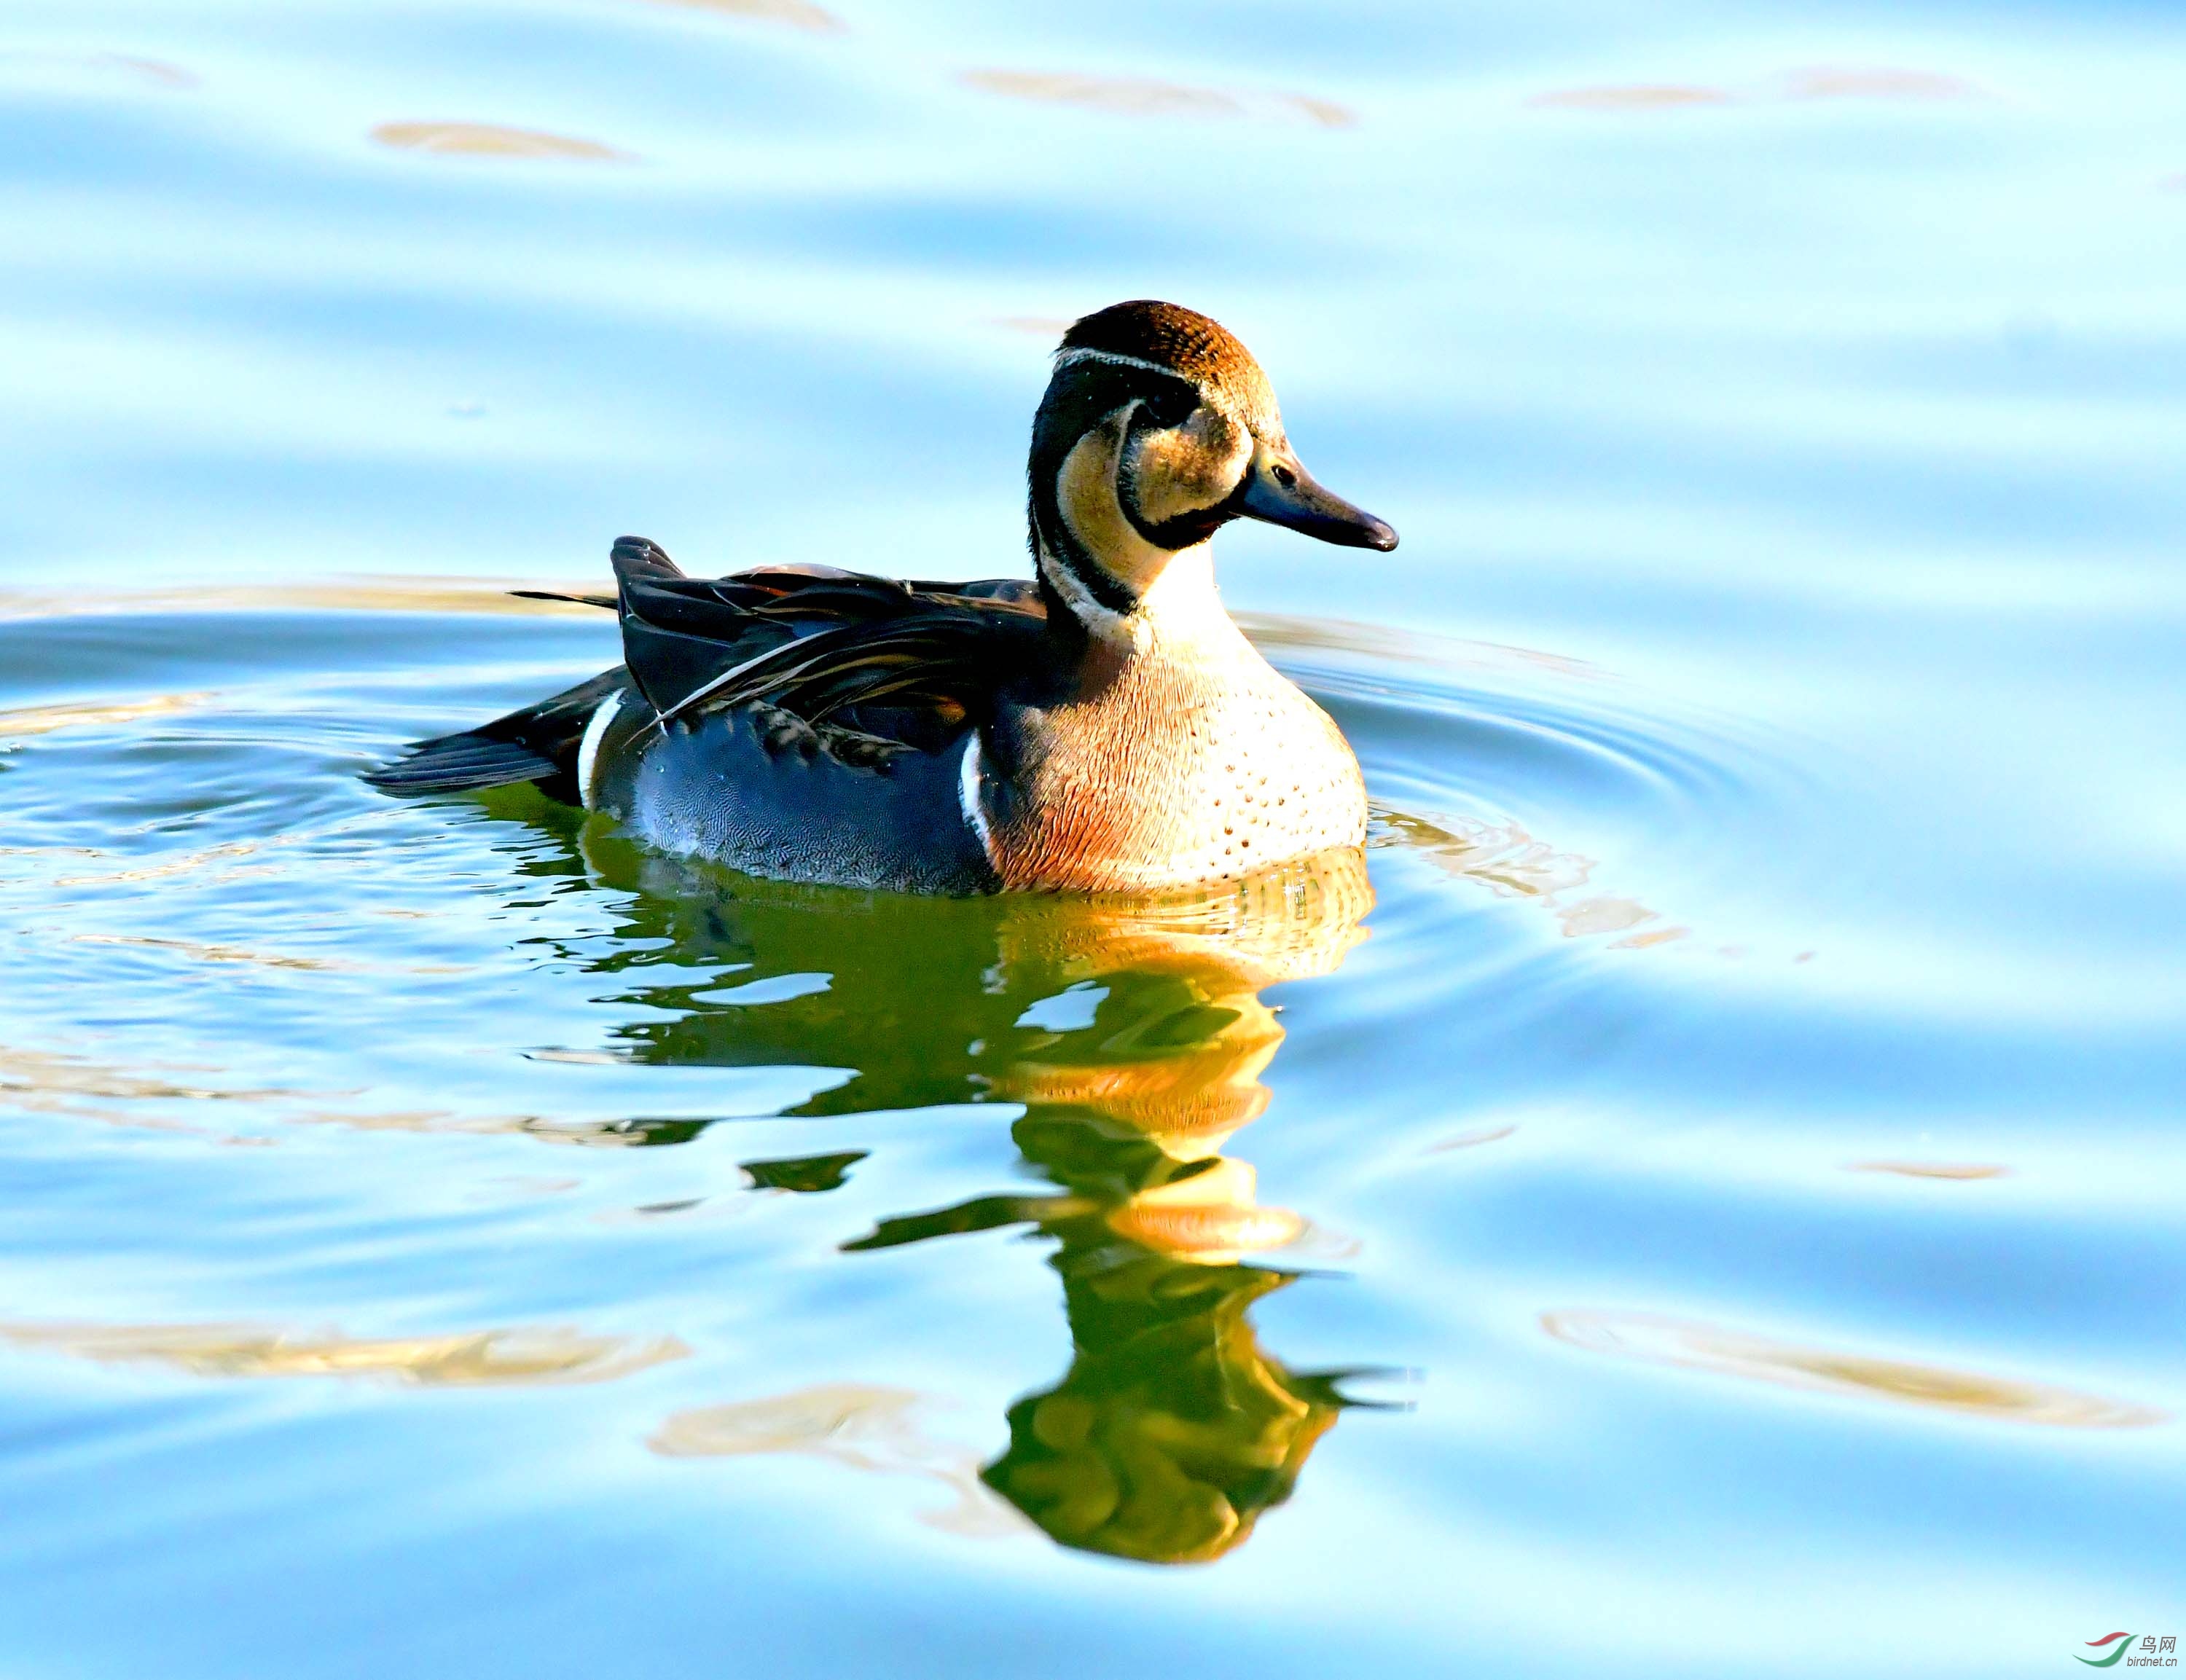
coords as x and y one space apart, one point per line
1089 613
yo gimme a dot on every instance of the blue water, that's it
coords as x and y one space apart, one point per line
1722 1210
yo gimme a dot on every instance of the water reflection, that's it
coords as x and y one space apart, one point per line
1144 97
1804 84
1634 97
862 1426
1856 82
1174 1429
796 13
1711 1347
20 724
490 140
1511 864
472 1359
1951 1170
41 68
1136 1036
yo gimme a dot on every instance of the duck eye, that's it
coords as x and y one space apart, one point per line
1285 477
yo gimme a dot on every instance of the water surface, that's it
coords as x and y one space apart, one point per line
1704 1199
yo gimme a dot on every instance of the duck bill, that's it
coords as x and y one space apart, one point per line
1279 490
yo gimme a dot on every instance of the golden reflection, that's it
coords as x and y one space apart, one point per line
1144 97
75 1087
490 140
1707 1348
797 14
1934 1169
1211 1218
480 1359
29 721
62 1082
1182 1067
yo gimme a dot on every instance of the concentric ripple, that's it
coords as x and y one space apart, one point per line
183 803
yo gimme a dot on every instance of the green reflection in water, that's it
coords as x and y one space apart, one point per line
1173 1428
806 1174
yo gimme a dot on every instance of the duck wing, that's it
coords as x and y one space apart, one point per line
902 663
862 667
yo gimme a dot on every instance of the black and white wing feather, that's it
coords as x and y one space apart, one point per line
866 666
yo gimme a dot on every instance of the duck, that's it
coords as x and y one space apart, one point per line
1103 726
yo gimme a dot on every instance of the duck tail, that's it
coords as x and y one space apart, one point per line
539 744
632 557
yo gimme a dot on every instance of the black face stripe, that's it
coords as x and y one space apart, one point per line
1081 397
1185 530
1180 530
1089 576
1078 399
1170 405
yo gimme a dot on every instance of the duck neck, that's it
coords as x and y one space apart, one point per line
1179 615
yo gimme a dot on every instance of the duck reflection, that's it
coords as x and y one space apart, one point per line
1172 1429
1134 1036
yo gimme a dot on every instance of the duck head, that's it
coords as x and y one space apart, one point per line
1158 429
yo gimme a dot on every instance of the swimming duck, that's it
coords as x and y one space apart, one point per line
1104 726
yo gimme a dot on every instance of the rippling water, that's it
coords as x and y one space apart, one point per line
1707 1199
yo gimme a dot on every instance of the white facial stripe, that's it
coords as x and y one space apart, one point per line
1066 358
588 749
